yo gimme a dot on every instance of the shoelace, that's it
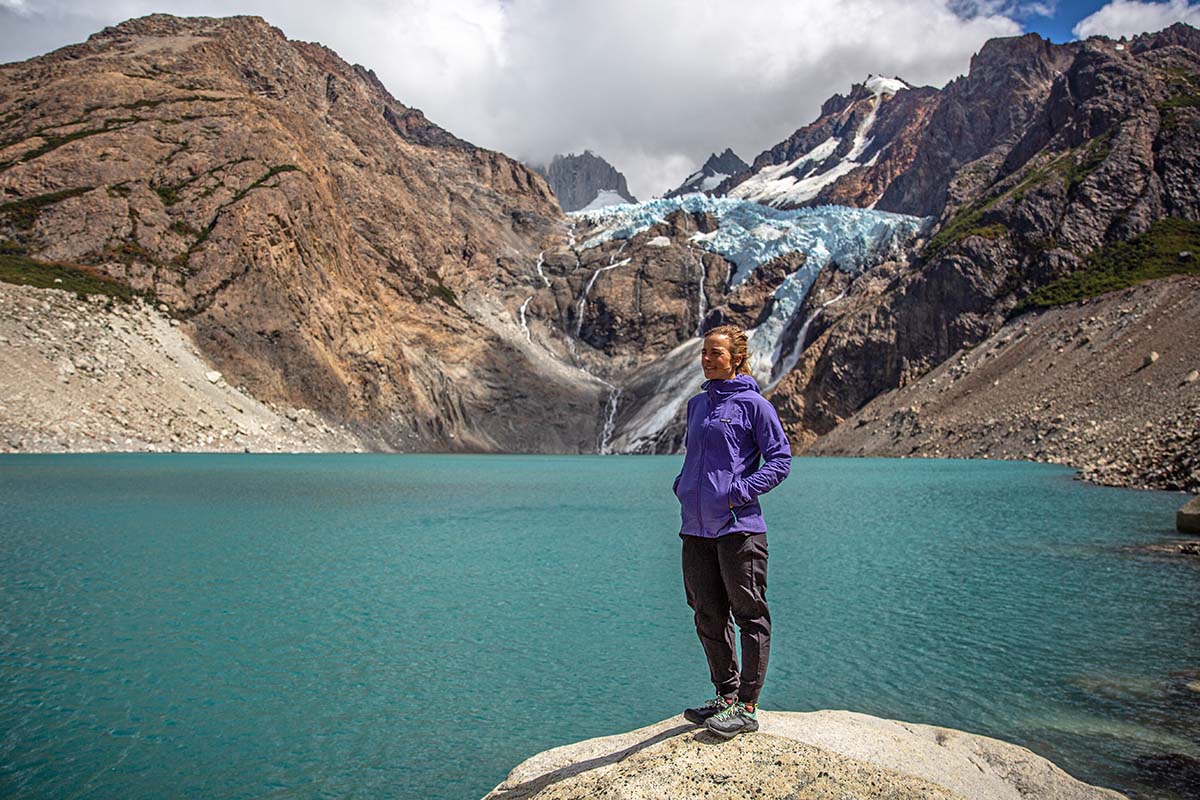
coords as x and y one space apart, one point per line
733 709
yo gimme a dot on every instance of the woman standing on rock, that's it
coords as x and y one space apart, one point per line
730 427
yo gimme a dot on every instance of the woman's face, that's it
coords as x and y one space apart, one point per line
716 359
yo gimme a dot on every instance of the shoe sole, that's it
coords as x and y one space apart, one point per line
727 735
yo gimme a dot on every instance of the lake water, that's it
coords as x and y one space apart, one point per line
372 626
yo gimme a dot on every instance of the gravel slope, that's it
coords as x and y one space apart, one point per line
79 376
1110 386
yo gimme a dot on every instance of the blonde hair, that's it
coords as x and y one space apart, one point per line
739 346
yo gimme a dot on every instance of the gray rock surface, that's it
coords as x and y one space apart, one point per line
577 179
822 754
1187 518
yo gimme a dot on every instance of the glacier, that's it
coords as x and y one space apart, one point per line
750 234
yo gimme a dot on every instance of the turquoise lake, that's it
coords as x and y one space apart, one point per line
373 626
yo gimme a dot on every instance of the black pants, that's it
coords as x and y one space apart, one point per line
723 576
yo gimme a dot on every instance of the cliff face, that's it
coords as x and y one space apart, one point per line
325 245
581 180
1067 166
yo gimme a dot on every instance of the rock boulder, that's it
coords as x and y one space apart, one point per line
1187 519
822 754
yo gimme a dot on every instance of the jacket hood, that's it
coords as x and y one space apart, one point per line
738 383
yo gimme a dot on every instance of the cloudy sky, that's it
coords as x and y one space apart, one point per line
654 86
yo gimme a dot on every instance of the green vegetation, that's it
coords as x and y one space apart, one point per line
1154 254
183 229
271 173
182 259
53 141
1071 167
10 248
162 100
1180 101
15 267
22 214
169 195
1182 86
1074 171
966 222
433 287
128 252
446 294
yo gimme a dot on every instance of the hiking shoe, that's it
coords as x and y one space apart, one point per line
699 714
735 719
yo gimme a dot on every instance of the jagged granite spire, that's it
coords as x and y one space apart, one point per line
580 180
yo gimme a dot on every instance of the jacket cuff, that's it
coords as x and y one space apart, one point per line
738 495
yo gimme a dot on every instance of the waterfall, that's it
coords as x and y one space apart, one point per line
701 301
610 421
793 357
524 324
592 282
542 260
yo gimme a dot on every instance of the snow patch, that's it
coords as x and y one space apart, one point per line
712 181
604 199
878 85
778 185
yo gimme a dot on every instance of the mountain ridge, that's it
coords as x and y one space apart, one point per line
330 248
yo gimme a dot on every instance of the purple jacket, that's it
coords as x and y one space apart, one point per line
730 426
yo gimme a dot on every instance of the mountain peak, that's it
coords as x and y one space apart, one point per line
580 181
716 170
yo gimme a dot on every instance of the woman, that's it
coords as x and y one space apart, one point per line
730 426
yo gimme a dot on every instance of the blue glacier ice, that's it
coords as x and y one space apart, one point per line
750 234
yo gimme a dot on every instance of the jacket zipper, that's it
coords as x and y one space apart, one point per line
700 476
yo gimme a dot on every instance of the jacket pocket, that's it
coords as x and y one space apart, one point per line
714 500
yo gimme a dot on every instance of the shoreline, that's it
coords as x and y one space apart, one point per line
84 377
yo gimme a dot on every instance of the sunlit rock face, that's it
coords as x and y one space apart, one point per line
327 246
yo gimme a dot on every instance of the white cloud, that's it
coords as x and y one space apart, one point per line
1129 18
653 86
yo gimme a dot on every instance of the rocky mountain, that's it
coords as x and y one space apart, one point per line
716 170
1109 385
1039 170
325 246
585 181
849 156
328 248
